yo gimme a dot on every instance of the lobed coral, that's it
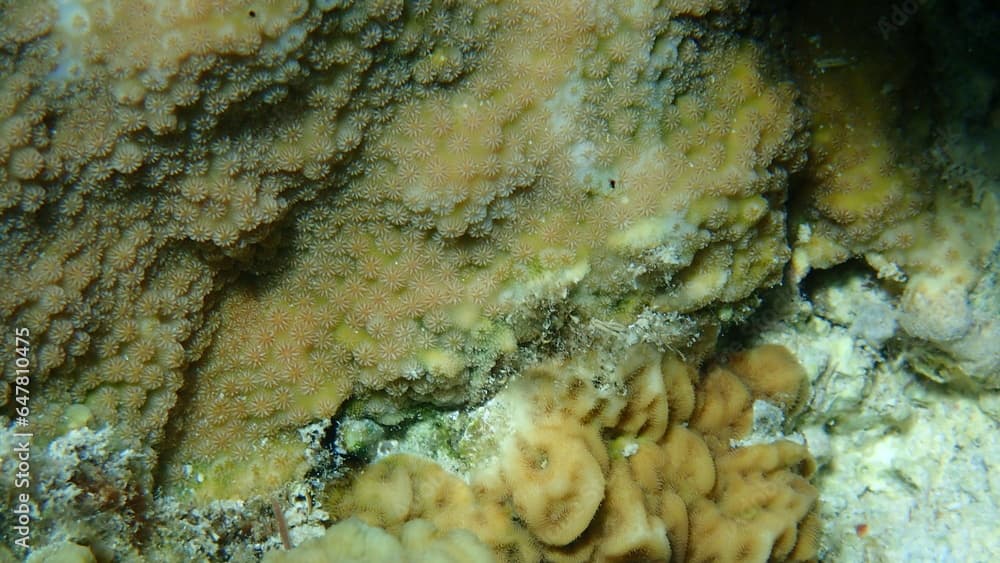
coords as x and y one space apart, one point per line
352 541
629 462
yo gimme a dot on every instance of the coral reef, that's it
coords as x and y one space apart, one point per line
255 247
355 542
161 168
890 447
146 149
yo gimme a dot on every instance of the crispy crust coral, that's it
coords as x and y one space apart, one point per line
556 483
772 373
603 483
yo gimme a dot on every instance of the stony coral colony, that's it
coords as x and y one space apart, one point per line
639 468
227 219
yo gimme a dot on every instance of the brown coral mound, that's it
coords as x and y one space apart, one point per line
592 472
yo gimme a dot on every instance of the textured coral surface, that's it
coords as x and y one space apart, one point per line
254 244
633 463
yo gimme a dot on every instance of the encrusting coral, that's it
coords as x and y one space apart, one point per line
616 464
146 149
484 208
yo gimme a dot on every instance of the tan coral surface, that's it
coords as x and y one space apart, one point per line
632 464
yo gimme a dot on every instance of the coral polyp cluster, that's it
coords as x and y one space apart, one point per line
483 205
